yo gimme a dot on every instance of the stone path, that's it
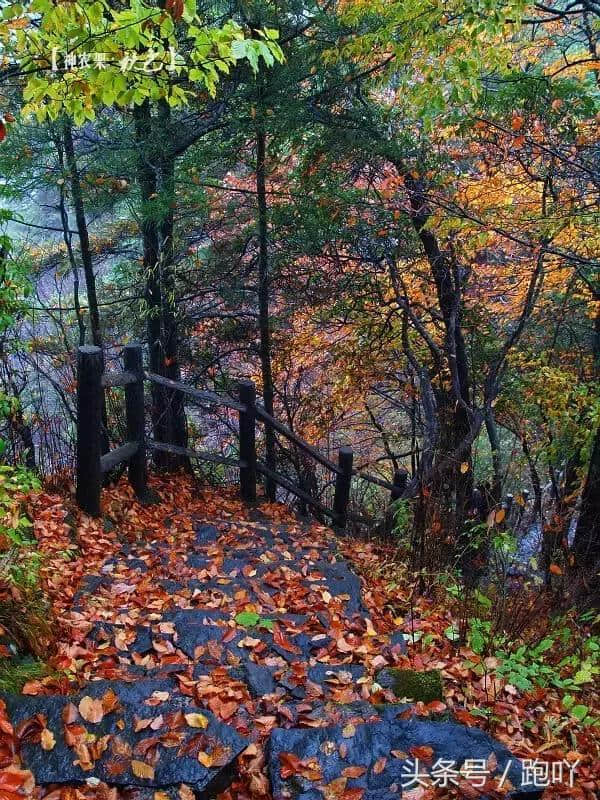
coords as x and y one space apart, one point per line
251 639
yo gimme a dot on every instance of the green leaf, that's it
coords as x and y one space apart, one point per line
580 712
452 633
247 618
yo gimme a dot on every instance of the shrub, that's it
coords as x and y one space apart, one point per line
23 606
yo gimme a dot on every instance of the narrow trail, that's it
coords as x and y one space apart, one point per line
231 651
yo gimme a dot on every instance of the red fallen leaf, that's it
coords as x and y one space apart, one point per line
116 767
469 791
13 779
175 720
144 745
227 710
69 714
436 706
194 745
379 765
5 794
172 739
30 730
120 747
259 785
353 772
98 747
464 717
7 751
280 640
220 756
74 734
2 131
422 752
290 765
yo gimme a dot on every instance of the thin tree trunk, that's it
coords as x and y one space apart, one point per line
86 260
586 545
263 302
494 439
535 481
84 239
147 178
176 421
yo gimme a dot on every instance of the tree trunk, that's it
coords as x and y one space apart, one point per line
455 481
494 439
156 173
86 260
586 545
263 302
82 232
176 421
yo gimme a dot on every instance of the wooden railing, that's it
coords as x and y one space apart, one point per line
92 464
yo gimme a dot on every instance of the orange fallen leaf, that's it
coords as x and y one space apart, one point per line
142 770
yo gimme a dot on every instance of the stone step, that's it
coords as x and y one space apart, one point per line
384 759
93 736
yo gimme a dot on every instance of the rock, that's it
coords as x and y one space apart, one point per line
340 580
412 685
259 679
323 673
126 756
370 747
206 534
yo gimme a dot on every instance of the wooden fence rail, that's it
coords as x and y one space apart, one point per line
92 380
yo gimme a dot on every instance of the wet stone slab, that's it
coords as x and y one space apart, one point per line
380 753
163 751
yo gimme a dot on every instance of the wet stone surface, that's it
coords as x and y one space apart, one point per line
142 736
375 757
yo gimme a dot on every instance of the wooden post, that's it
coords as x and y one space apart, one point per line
134 411
342 486
247 396
89 428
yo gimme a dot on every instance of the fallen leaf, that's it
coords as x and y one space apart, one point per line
142 770
91 709
47 739
196 720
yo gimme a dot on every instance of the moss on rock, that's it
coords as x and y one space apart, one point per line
412 685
